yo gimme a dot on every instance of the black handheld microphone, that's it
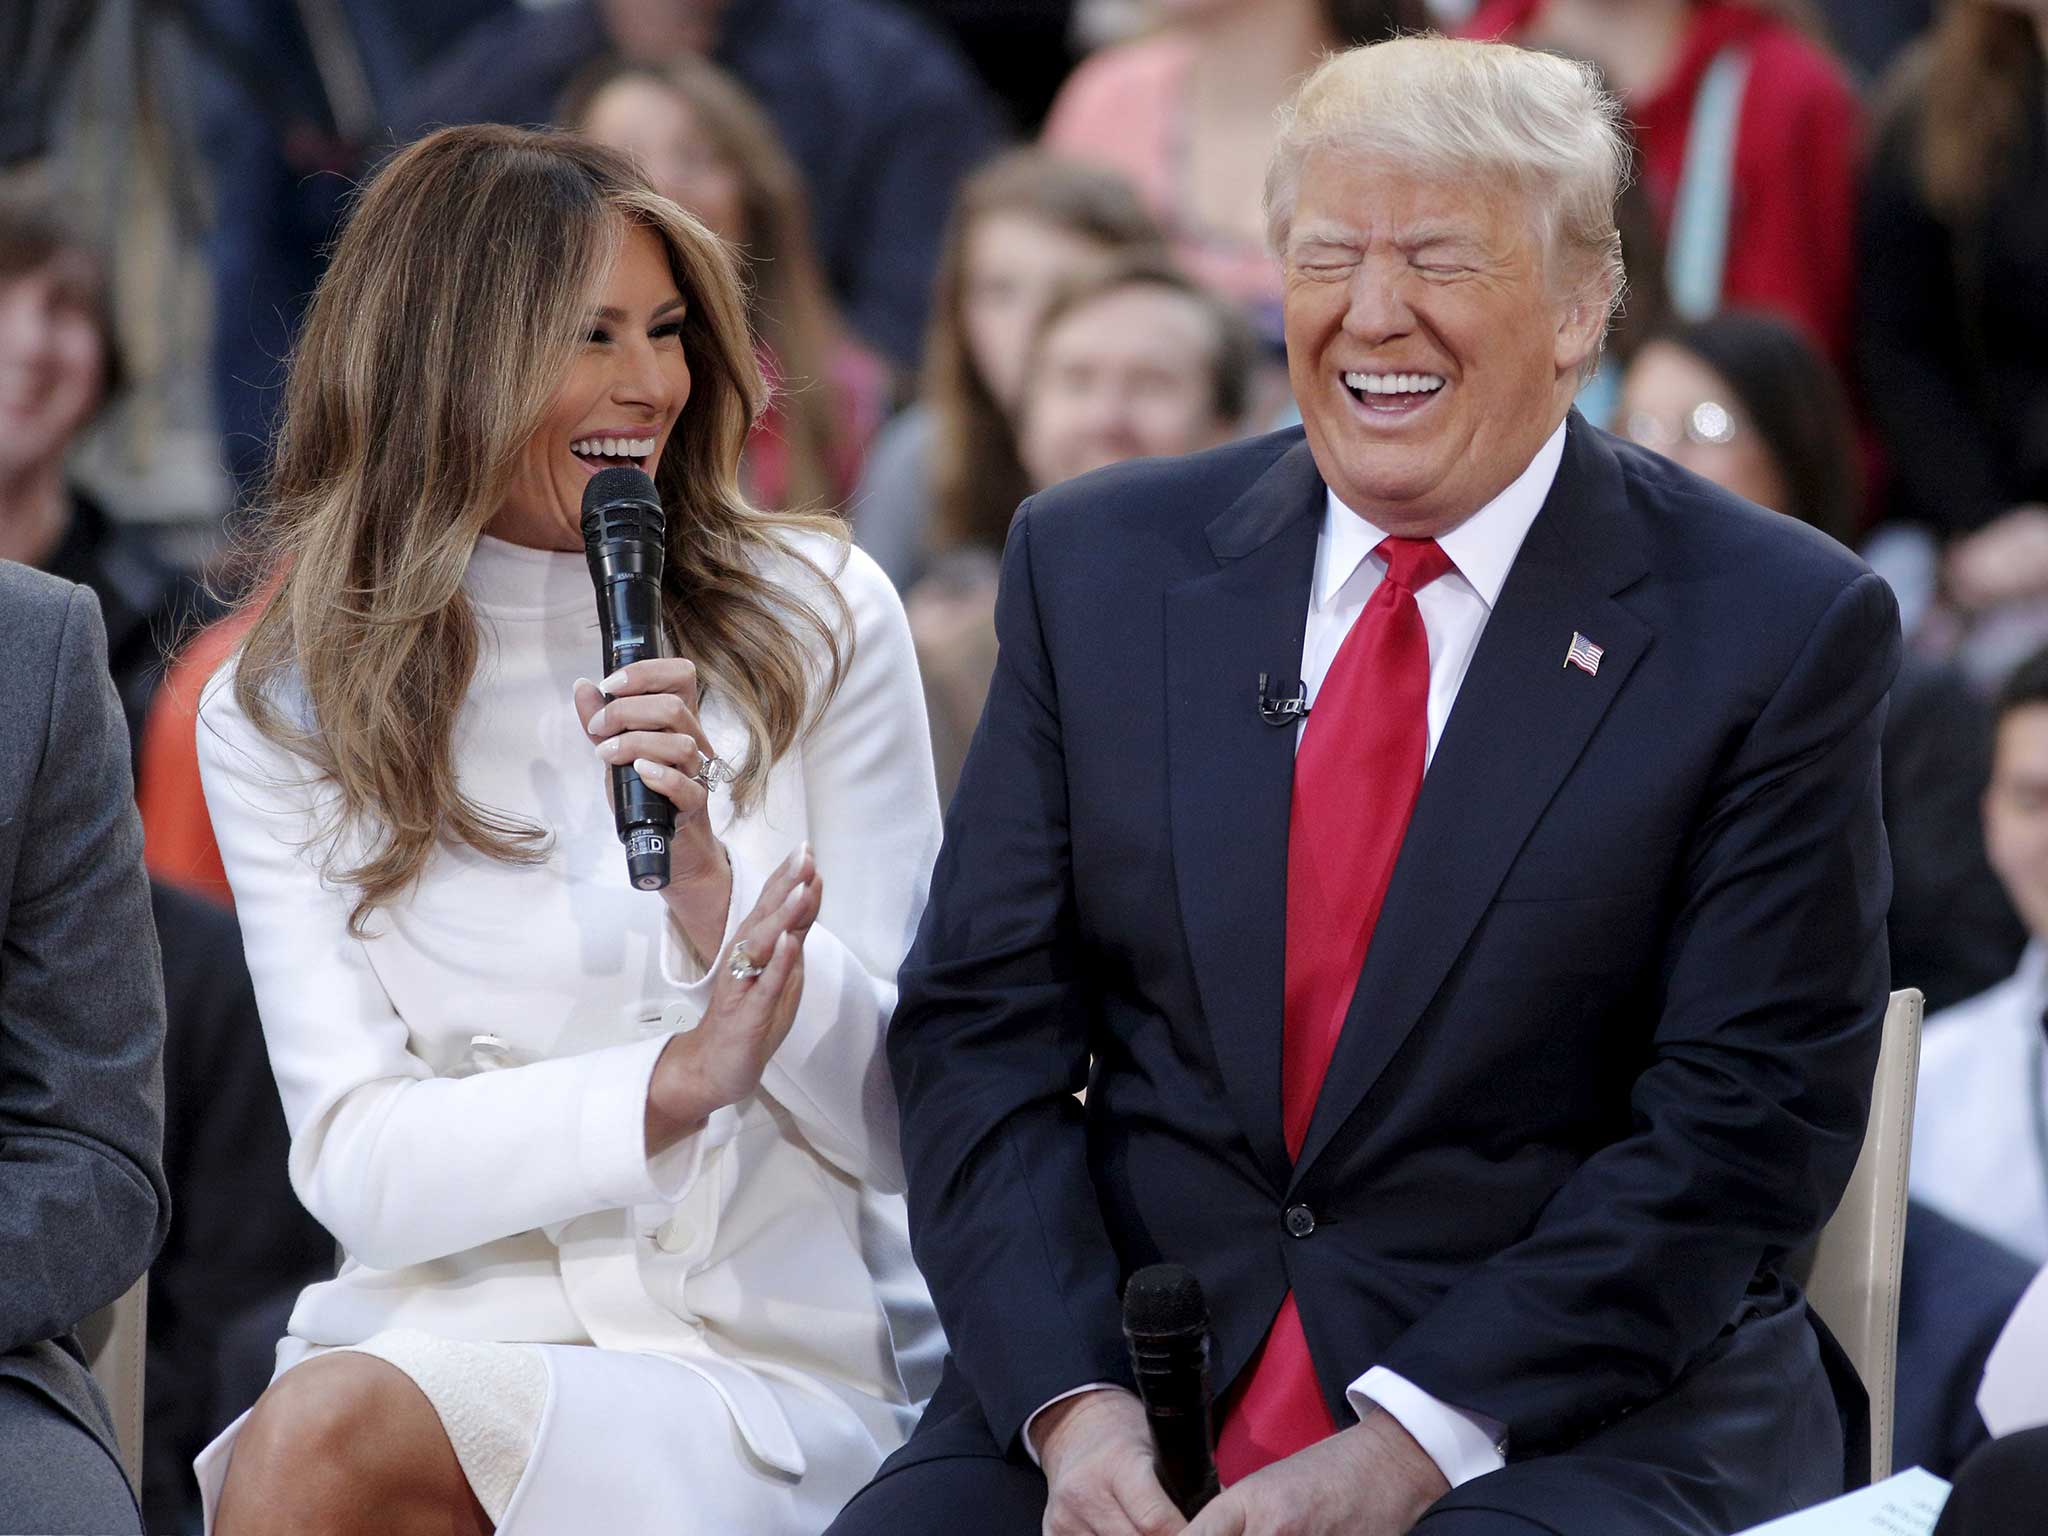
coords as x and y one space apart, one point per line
623 531
1166 1324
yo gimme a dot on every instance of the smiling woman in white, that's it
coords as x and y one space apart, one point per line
625 1248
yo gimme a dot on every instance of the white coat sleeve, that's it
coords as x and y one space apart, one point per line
872 806
400 1165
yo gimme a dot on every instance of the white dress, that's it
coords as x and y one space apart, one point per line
465 1089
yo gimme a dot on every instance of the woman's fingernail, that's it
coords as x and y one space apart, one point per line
609 750
597 723
648 768
613 683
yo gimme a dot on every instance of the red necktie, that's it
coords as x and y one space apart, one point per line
1356 776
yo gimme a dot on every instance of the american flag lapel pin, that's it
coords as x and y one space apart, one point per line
1584 655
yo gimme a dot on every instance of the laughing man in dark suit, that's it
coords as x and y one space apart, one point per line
1485 1039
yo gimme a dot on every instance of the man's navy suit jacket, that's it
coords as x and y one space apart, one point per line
1611 1051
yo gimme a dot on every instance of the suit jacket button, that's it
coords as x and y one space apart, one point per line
1300 1221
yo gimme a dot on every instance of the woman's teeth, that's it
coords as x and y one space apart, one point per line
614 447
1394 383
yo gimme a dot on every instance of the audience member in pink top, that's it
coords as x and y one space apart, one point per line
1186 112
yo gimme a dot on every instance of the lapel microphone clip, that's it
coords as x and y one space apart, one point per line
1284 710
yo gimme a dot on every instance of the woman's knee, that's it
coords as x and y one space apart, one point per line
319 1415
338 1443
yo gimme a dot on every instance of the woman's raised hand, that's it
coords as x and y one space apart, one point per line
720 1062
651 724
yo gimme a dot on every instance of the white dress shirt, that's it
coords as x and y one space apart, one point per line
1980 1121
1454 609
2014 1393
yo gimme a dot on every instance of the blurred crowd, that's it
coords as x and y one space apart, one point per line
994 244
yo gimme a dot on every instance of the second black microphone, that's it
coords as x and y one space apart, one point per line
1166 1324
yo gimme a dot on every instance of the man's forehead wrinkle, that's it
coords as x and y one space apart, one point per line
1330 232
1404 237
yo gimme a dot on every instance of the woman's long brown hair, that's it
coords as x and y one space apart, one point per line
1971 84
432 351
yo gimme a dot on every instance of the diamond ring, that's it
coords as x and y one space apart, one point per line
712 772
740 965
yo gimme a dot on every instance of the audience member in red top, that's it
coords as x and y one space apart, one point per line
1791 216
177 833
708 145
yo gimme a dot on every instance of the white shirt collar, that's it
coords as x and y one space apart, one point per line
1482 547
2032 975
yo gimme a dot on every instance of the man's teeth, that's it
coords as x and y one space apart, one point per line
615 447
1395 383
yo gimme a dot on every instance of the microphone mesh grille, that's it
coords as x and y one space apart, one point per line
621 503
1164 1298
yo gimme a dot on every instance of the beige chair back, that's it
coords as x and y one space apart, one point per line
113 1339
1851 1272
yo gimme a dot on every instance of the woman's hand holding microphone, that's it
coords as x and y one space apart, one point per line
651 723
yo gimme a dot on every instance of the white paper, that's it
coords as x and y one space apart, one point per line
1905 1505
2014 1395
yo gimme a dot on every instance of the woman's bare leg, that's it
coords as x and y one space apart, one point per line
342 1444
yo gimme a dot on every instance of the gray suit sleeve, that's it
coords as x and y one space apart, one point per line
83 1205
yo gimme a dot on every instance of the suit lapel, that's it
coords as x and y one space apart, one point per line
1521 721
1230 775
